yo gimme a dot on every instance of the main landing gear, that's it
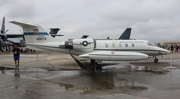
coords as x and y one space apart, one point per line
156 60
96 65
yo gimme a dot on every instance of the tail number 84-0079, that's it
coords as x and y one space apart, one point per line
41 38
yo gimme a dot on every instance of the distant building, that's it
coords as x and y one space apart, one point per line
170 43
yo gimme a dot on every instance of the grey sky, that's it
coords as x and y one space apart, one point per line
154 20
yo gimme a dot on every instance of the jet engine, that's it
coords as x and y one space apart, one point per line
115 56
4 37
79 44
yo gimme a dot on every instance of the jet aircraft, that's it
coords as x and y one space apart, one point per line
12 38
97 50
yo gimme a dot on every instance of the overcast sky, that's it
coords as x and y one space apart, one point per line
154 20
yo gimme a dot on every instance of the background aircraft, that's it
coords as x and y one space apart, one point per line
9 39
18 39
124 36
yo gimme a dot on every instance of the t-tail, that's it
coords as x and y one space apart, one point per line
54 32
34 33
126 34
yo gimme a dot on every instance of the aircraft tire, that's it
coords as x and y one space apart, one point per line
156 60
98 68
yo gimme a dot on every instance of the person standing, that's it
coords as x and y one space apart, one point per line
172 48
16 53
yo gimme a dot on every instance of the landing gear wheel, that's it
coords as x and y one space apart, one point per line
156 60
98 67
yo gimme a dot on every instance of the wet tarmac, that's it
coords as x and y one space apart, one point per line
50 78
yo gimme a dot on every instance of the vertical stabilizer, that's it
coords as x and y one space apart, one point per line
54 32
126 34
3 26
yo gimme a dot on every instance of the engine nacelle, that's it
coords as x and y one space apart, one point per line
80 44
4 37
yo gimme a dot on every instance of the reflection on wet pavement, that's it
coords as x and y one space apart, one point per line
16 72
136 80
103 83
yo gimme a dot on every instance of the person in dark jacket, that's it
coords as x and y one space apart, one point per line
16 53
172 48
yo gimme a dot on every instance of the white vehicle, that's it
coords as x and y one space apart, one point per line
95 49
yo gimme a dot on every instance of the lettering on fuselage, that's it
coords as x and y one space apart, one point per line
131 42
41 38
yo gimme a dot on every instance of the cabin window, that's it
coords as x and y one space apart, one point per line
133 45
106 45
113 45
120 45
126 45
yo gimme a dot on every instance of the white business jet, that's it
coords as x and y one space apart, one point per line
94 49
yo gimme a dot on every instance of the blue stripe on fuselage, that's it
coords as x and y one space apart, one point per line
39 33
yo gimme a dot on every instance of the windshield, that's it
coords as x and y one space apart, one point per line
150 44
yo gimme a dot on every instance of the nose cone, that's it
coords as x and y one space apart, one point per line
164 51
144 56
84 56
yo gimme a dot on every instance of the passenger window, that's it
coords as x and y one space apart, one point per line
106 45
126 45
113 45
132 45
120 45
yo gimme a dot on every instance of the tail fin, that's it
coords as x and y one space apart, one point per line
54 32
34 33
126 34
3 26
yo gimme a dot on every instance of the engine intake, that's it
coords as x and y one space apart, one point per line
69 44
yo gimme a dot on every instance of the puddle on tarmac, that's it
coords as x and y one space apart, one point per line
130 67
113 80
99 83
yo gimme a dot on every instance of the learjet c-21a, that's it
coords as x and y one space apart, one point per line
94 49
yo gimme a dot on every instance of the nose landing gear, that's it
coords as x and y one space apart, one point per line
96 65
156 60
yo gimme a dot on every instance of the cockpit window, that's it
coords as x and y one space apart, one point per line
150 44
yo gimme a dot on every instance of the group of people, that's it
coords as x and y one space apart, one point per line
173 48
6 49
